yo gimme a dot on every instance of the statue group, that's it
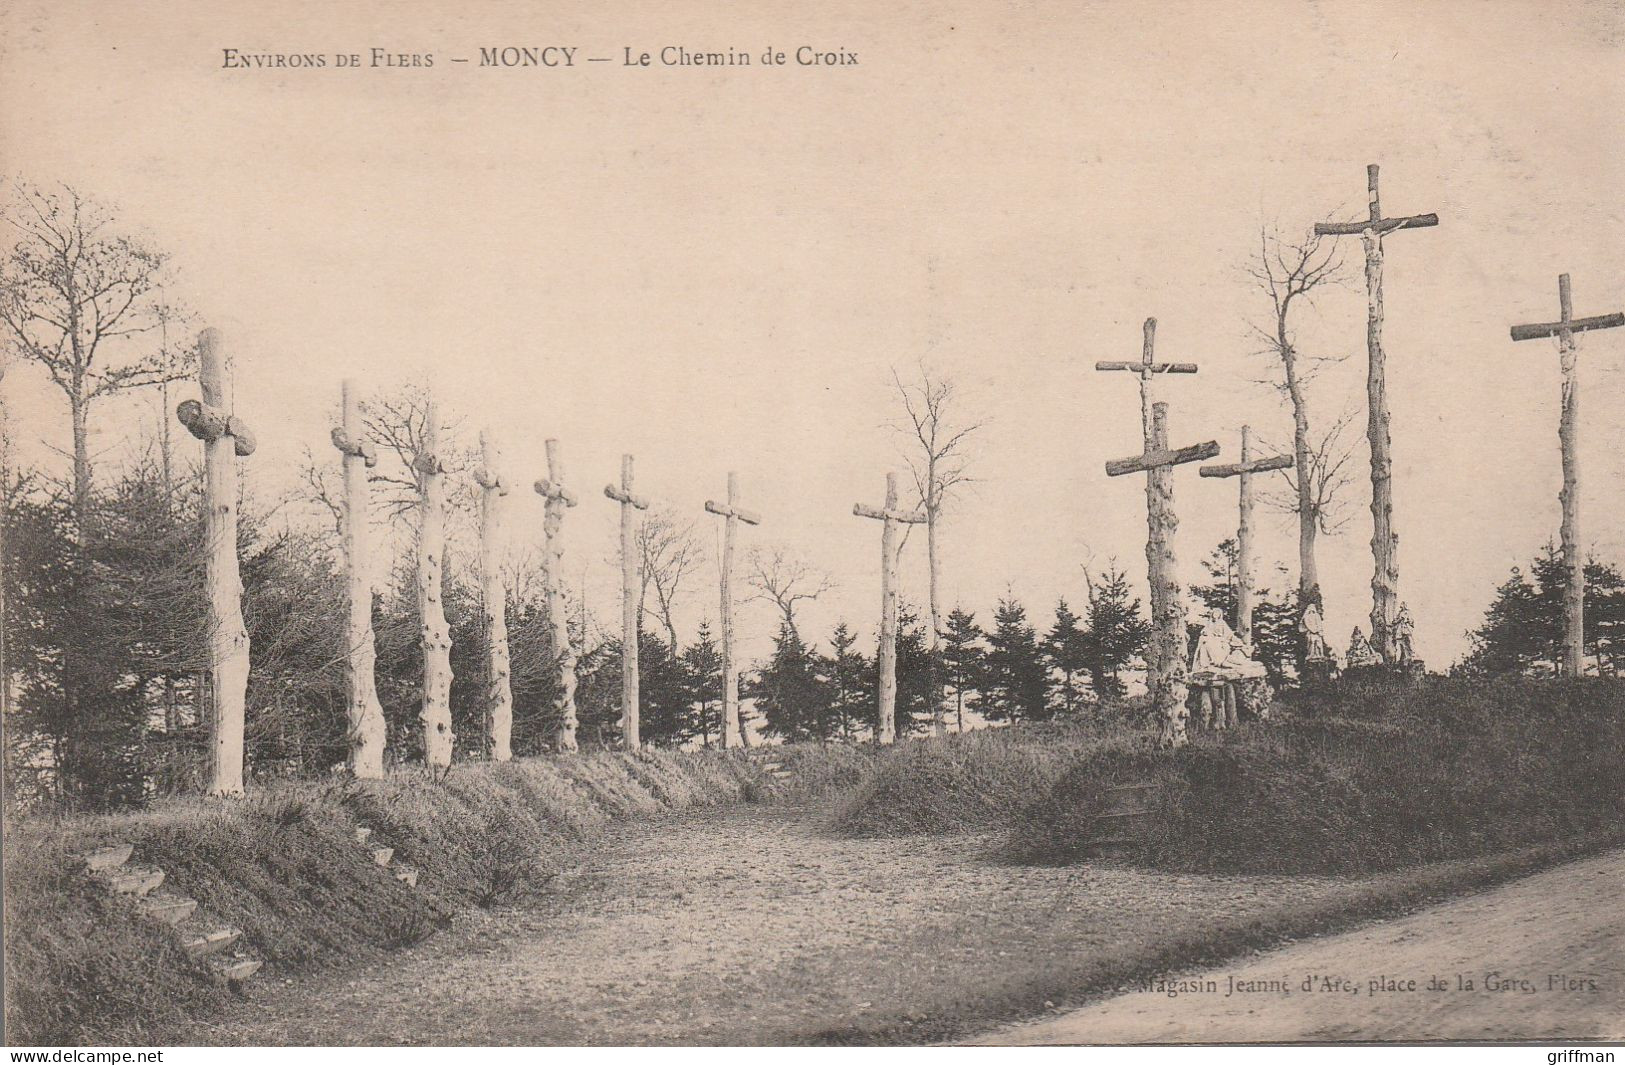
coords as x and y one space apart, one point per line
1226 680
1322 661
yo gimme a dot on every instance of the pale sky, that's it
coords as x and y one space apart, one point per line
715 269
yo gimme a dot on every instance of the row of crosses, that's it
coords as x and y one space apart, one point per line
226 439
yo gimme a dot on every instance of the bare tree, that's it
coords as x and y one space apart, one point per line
936 447
77 297
670 552
778 576
1290 271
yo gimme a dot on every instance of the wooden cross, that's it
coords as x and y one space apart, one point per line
1146 369
556 500
434 632
1243 471
732 514
631 588
1568 426
365 717
226 438
1168 601
494 602
1384 541
890 517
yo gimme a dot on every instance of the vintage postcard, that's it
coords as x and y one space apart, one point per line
999 522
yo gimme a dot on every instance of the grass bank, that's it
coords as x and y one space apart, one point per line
83 967
1359 782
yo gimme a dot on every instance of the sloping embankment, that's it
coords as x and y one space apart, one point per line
285 867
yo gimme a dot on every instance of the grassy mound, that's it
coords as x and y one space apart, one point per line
1368 781
975 781
83 967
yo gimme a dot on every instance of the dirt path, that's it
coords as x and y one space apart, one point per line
750 925
1545 955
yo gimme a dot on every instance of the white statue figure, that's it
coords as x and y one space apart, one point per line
1314 632
1360 650
1404 632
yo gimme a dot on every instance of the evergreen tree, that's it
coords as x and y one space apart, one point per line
964 663
1016 680
1221 592
914 675
1066 656
664 714
788 691
1522 630
702 675
1117 632
849 682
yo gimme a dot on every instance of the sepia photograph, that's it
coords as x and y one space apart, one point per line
655 523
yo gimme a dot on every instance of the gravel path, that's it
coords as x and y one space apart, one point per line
749 925
1545 956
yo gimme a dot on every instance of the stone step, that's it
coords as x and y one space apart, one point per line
1125 815
773 767
1115 847
237 968
781 774
132 881
362 834
407 875
382 855
211 942
102 859
170 909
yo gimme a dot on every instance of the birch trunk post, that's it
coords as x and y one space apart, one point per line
890 518
364 715
732 514
1243 472
1567 433
1146 369
556 500
494 601
1168 621
438 739
631 589
225 439
1384 541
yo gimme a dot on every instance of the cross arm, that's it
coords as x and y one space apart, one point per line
630 498
1385 225
209 423
1575 325
1153 459
1235 469
548 490
909 517
1156 367
723 510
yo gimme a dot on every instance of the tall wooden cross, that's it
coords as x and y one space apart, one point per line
1384 541
1168 622
214 421
556 500
365 716
1146 369
732 514
1568 426
494 602
631 589
1243 472
434 632
890 518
